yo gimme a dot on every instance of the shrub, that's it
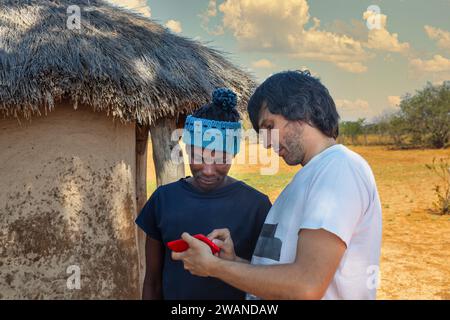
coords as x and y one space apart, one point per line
441 168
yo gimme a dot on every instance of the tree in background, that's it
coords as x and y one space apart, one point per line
398 129
423 119
352 129
426 116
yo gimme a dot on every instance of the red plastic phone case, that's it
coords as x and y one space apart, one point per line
181 245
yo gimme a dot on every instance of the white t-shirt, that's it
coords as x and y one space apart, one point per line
335 191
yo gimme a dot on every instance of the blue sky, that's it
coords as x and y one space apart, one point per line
365 70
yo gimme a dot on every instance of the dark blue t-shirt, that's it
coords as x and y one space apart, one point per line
179 207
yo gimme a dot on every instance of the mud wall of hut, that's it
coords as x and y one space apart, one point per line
67 198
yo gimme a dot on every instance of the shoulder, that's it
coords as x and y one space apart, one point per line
252 192
343 159
173 186
342 167
354 162
350 156
167 190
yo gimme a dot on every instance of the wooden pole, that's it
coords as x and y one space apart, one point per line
141 193
166 170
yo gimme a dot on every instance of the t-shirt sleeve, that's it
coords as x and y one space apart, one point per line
263 210
148 217
336 200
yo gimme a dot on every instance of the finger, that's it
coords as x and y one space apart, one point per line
219 234
212 234
177 255
219 243
191 241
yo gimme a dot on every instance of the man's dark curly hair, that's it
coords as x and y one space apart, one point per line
296 95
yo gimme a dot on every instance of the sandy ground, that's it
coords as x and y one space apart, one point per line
415 261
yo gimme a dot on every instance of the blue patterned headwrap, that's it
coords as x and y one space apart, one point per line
213 134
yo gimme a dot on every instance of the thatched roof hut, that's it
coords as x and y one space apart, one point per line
76 106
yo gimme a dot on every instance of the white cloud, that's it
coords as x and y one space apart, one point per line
343 51
139 6
174 25
284 27
206 17
354 67
436 69
212 8
271 21
441 36
394 101
263 64
356 29
380 38
437 64
357 104
353 109
279 26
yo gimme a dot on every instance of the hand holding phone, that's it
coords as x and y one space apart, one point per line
181 245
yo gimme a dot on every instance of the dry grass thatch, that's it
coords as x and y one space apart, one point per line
118 61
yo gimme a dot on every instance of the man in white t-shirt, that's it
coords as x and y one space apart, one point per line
322 237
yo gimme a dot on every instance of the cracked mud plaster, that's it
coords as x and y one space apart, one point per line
67 198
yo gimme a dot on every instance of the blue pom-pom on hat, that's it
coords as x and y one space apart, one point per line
225 98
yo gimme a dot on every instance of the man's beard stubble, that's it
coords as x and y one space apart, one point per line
294 143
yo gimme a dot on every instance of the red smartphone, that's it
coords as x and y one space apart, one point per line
181 245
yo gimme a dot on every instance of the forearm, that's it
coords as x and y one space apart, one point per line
154 257
282 281
237 259
152 290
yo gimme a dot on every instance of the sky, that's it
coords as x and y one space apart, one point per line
367 53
